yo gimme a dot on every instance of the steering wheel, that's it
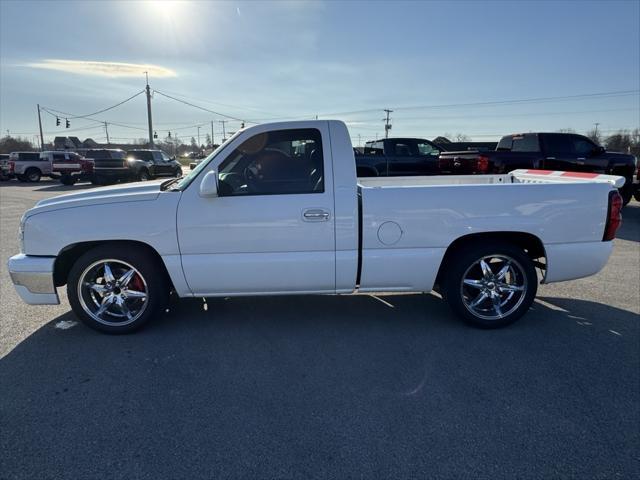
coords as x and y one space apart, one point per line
251 177
233 180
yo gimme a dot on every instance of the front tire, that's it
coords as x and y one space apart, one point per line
490 285
144 175
116 290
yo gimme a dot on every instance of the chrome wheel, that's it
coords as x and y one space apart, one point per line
113 292
493 287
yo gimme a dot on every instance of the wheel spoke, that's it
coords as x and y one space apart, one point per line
124 308
503 271
478 300
134 294
98 288
108 274
473 283
495 299
486 270
506 287
124 280
106 303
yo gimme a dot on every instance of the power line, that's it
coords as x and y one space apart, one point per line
499 102
202 108
240 107
72 116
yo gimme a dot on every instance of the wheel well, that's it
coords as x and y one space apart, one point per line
29 169
531 244
68 255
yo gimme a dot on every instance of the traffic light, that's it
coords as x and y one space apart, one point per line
169 134
155 134
68 123
57 121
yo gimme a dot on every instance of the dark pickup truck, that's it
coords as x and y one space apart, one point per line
398 157
546 151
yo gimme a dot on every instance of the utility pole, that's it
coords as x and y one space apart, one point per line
387 124
212 141
224 135
40 125
106 131
198 136
146 74
596 132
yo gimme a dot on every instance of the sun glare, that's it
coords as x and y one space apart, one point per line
168 10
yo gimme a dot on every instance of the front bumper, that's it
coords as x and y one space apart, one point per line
33 279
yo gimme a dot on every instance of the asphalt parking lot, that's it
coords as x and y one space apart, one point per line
325 387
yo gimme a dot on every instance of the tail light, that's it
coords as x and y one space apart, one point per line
482 164
12 166
614 216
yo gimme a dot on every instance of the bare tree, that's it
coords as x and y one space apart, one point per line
595 136
10 144
624 141
461 137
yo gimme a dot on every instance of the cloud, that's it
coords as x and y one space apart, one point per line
104 69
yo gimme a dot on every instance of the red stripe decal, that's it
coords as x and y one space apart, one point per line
580 174
540 172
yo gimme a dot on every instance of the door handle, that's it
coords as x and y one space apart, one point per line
550 158
316 214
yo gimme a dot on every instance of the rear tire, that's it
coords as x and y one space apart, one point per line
492 295
110 302
626 192
68 180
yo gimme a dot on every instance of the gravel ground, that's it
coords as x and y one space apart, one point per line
325 387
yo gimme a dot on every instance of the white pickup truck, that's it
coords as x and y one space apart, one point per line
277 209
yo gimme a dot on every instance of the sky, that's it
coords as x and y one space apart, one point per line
443 67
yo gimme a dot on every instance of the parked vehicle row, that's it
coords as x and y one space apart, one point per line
546 151
100 166
278 209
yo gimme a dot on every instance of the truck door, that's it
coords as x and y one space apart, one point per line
572 153
271 228
160 167
409 158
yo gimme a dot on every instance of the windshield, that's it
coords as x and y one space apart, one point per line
186 181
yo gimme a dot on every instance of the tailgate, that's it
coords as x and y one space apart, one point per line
555 176
459 163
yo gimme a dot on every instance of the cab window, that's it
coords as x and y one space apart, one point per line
274 163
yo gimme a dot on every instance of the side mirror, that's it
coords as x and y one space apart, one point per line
209 185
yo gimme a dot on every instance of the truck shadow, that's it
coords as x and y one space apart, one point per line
259 386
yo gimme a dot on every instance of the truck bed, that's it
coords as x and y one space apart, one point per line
517 176
408 222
